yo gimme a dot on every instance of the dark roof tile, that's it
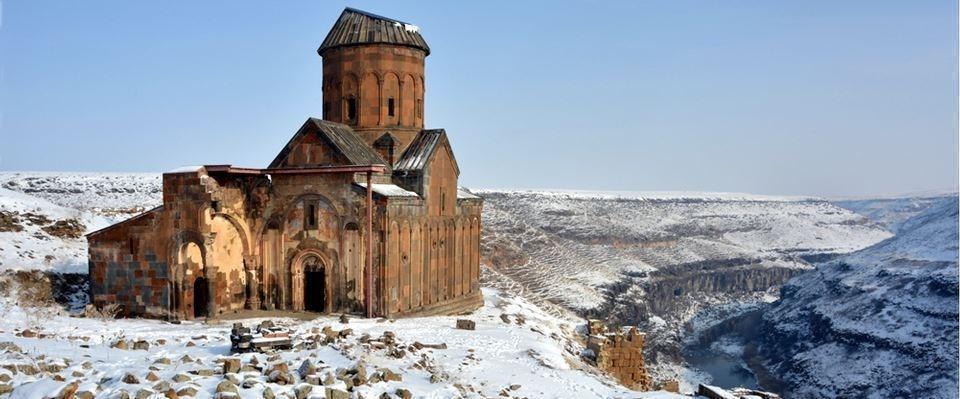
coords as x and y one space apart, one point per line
355 27
341 137
418 152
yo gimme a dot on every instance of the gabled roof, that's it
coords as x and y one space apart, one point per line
355 27
150 212
385 141
340 137
417 155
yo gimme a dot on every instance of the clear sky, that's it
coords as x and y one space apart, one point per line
769 97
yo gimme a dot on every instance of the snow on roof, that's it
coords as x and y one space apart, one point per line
185 169
390 190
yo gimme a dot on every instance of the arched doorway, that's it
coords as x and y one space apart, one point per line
189 255
201 297
314 284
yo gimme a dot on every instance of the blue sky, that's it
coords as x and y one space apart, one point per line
803 97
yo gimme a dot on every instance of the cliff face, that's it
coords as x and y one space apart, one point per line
671 263
881 322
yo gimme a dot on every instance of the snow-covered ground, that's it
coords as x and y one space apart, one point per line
538 358
671 262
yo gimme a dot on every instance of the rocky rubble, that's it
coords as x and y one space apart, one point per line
533 355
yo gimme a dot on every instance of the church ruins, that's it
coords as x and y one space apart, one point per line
360 212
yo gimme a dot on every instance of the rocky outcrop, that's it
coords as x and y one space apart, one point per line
663 302
37 288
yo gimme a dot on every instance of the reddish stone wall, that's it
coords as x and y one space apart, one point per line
621 355
373 74
311 150
430 260
137 263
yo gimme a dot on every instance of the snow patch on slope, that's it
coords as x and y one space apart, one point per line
35 249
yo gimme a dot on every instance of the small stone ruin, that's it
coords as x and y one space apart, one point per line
619 354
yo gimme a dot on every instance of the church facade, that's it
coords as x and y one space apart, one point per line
359 213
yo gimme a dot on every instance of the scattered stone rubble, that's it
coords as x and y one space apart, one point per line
299 375
267 336
619 354
466 324
234 374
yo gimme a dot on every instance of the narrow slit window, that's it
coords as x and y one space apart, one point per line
390 106
326 109
420 108
351 108
310 216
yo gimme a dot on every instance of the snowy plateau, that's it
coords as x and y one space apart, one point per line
868 306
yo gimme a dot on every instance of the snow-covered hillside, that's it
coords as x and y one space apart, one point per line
878 323
531 354
673 263
566 246
43 215
891 212
115 195
39 235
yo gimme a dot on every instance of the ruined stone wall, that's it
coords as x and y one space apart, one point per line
122 273
154 264
130 263
621 355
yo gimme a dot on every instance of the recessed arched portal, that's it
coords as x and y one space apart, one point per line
314 284
189 264
309 278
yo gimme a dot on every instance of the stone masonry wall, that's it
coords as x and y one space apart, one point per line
621 355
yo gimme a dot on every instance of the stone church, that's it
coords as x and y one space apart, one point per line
360 212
